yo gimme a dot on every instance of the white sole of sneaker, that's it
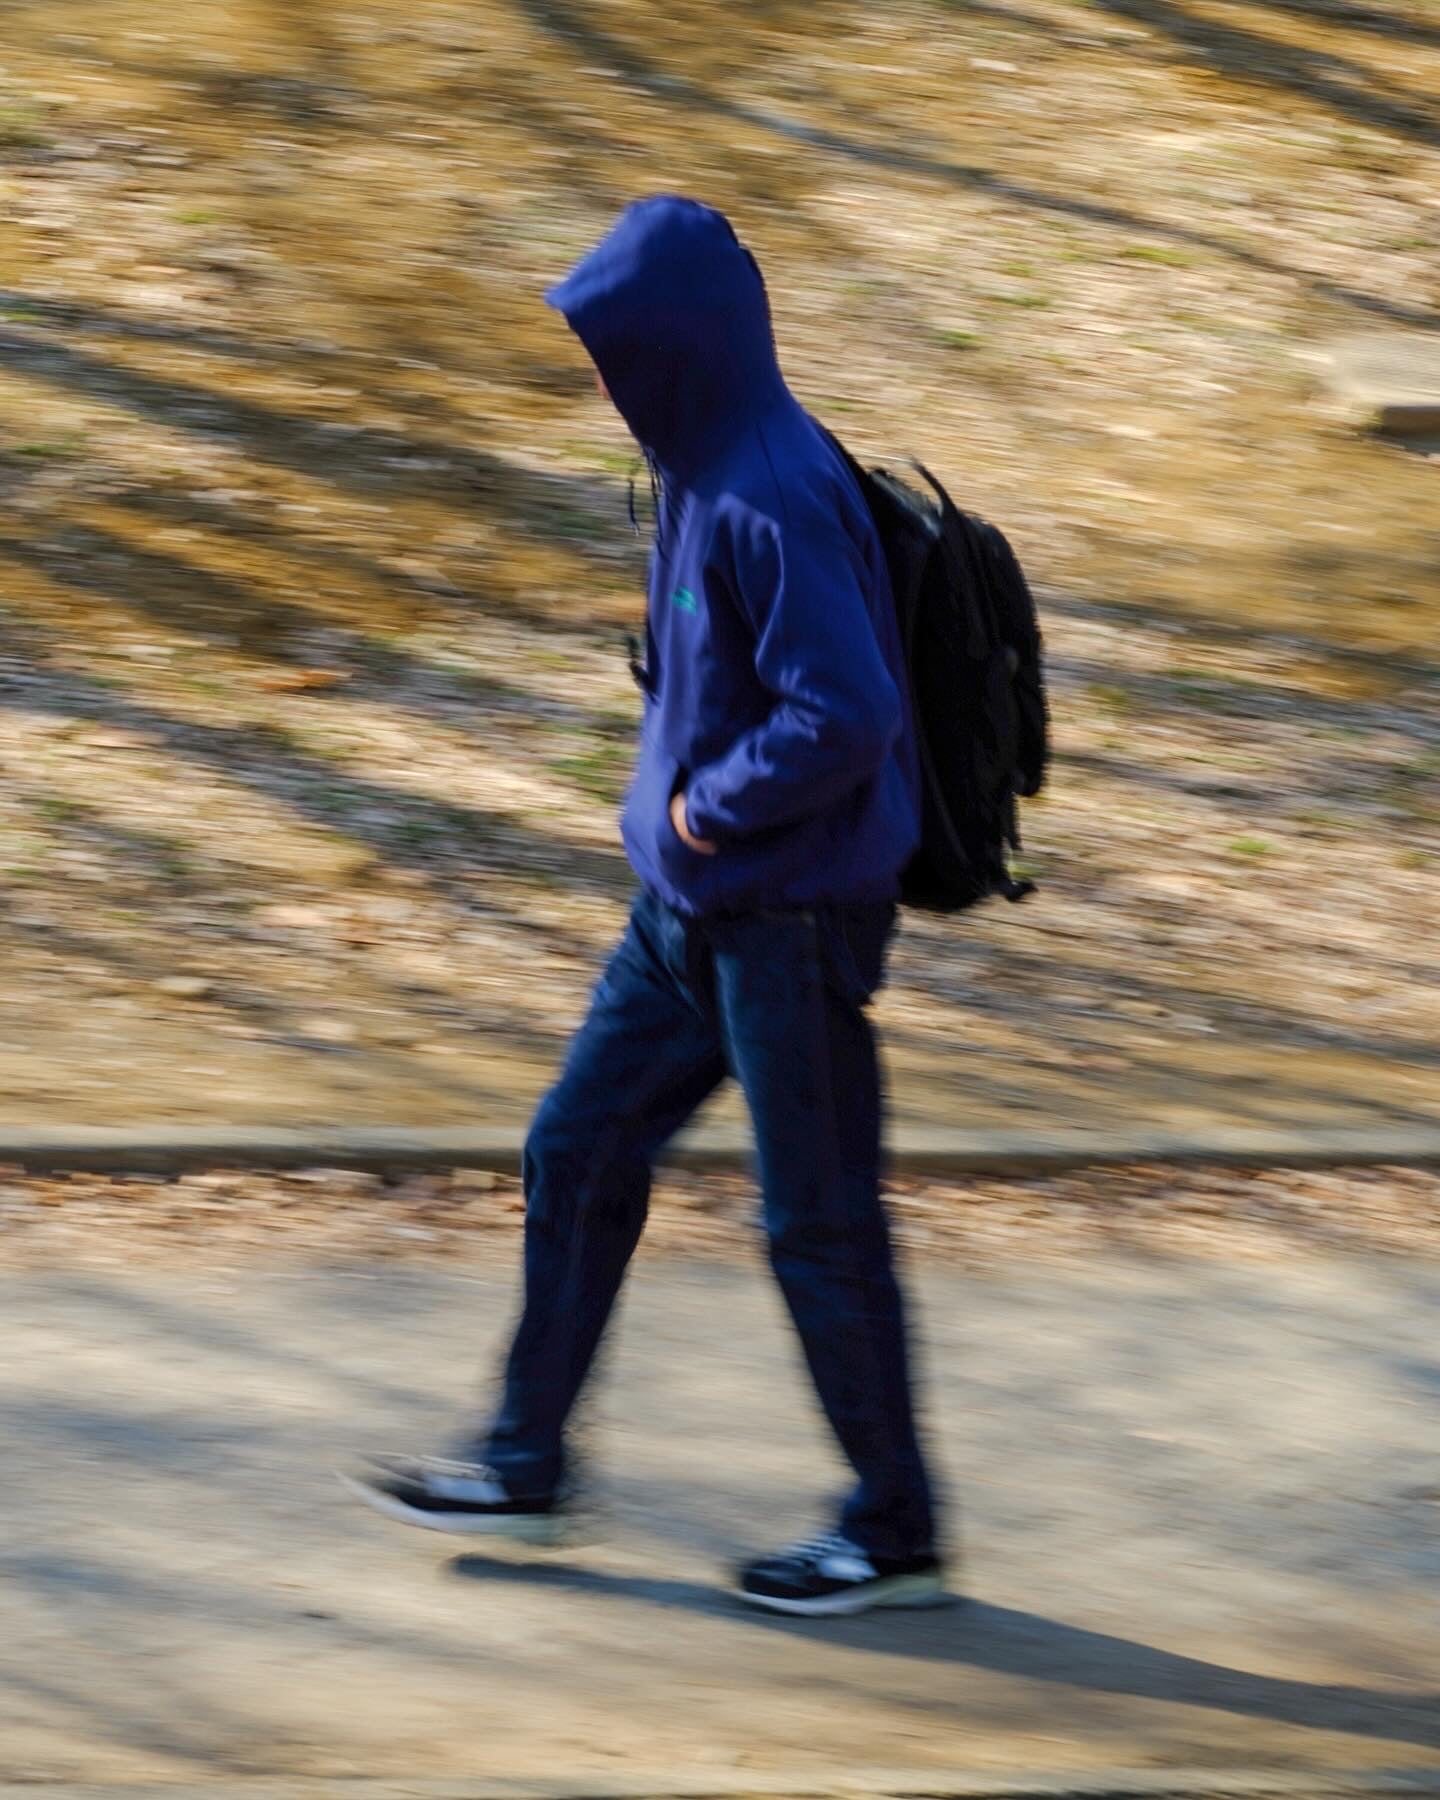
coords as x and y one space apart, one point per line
543 1529
911 1591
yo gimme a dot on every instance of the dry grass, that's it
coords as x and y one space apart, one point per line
277 396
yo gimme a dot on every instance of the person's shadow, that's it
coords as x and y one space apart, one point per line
1010 1642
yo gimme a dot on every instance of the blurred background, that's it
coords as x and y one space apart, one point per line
315 569
315 563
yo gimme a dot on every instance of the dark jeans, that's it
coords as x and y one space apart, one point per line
777 1000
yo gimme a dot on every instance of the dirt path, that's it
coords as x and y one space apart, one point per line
1197 1504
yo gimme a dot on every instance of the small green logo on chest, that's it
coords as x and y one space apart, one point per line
685 600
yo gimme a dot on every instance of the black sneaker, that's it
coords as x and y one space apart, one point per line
826 1577
438 1495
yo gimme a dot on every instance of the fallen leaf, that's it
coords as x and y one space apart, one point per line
329 1031
107 739
185 987
300 681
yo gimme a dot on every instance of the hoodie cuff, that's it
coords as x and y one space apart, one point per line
695 820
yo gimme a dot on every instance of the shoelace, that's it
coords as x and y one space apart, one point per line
816 1549
419 1467
462 1471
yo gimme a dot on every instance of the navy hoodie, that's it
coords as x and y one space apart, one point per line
777 700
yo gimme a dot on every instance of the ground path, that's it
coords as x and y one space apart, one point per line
1199 1518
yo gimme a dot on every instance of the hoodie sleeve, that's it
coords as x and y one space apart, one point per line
836 713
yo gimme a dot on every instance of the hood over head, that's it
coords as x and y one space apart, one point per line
673 310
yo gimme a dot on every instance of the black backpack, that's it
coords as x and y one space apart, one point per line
972 649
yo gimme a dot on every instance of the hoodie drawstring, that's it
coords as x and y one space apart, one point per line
634 648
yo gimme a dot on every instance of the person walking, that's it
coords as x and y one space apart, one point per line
775 801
